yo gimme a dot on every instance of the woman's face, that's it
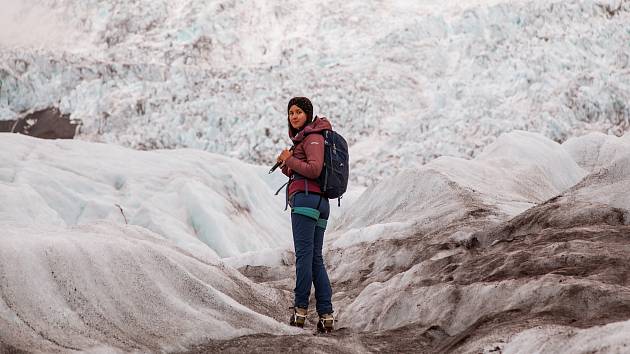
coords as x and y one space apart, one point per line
297 117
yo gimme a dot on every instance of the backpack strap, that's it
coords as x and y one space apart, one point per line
284 185
294 176
287 193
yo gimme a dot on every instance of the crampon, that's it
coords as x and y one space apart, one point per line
326 323
298 318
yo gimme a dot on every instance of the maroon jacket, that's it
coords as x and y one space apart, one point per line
308 157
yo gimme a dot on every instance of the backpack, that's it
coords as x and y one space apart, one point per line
333 180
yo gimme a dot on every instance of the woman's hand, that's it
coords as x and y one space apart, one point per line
284 156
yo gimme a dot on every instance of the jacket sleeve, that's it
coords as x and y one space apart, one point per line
287 171
314 150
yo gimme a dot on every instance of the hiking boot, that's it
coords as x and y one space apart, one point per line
298 318
326 323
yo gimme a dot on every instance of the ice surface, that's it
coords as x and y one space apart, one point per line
189 196
122 286
411 80
608 160
516 172
76 276
611 338
400 249
107 247
595 150
401 255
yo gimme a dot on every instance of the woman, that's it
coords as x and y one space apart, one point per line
309 211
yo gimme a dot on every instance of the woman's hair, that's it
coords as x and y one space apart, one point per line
306 106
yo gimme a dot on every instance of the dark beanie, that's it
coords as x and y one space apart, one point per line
304 104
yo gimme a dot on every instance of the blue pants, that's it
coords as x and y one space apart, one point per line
309 214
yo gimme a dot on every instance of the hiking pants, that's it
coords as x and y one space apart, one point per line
309 215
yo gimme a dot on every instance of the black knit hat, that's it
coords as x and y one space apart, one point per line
304 104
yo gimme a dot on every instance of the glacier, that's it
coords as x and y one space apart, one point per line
405 81
489 204
514 249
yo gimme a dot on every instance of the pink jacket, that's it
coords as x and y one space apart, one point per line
308 157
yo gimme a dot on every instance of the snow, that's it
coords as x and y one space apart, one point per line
26 25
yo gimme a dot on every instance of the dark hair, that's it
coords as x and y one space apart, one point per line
306 106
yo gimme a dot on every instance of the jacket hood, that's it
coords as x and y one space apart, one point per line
319 124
